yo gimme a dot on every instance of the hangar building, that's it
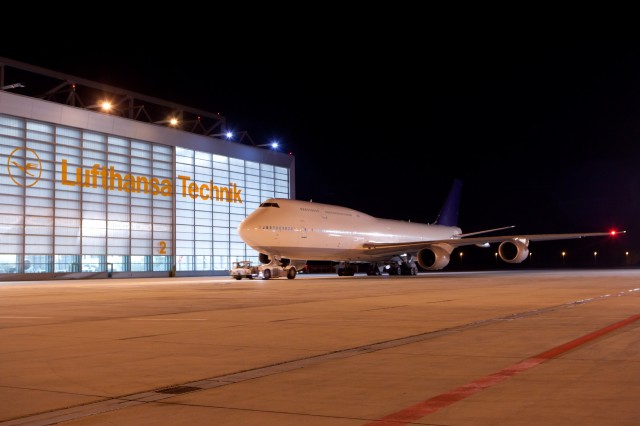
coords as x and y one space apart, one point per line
92 194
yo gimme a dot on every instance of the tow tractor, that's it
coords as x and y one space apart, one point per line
274 270
243 269
276 267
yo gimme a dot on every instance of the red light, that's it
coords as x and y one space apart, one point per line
613 233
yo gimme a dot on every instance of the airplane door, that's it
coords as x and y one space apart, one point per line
303 230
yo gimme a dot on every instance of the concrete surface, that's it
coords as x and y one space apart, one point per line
486 348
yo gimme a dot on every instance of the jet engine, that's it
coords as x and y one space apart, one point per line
514 251
433 259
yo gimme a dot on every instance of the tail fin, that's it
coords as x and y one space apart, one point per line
448 215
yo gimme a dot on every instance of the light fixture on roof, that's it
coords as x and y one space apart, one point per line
228 135
273 145
171 121
105 106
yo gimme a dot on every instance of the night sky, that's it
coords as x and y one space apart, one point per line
544 135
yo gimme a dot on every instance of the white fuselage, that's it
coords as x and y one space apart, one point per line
314 231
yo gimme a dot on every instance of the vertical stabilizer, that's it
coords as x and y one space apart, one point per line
448 215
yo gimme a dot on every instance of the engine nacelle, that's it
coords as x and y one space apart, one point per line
433 259
514 251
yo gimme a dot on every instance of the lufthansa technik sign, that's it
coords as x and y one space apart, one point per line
25 169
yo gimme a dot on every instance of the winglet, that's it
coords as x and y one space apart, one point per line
448 215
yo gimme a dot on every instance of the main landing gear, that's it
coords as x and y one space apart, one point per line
345 269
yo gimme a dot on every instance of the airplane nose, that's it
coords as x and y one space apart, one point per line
244 230
241 230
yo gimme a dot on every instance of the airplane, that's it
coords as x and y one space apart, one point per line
287 233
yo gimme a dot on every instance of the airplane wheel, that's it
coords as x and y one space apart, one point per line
238 278
291 273
267 274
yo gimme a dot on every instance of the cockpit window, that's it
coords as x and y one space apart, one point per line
269 205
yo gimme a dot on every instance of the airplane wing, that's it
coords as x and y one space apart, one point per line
413 246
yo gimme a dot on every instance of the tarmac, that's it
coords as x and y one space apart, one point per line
540 347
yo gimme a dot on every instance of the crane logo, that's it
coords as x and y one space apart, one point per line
25 167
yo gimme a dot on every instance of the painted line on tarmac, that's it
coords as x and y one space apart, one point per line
431 405
17 317
168 319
